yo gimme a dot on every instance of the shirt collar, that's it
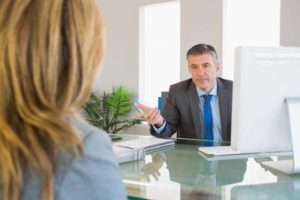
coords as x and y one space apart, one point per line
212 92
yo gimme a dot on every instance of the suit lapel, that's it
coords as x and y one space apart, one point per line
223 103
195 110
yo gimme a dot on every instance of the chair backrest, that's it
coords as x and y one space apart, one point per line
162 100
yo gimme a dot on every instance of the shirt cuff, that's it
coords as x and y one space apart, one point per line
160 129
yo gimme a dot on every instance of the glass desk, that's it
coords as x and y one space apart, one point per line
182 173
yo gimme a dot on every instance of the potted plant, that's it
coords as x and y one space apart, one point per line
109 111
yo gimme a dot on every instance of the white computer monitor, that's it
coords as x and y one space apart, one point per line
264 78
266 105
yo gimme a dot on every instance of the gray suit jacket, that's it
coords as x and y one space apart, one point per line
182 114
95 175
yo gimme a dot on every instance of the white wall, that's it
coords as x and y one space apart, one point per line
201 21
120 64
290 25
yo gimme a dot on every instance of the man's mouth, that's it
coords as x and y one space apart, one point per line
202 79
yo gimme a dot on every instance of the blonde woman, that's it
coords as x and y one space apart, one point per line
49 54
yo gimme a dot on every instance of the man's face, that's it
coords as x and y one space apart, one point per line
203 70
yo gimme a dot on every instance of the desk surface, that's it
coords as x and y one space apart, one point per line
182 173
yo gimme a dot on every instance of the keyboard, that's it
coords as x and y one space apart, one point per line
219 150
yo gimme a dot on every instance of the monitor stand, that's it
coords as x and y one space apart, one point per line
290 166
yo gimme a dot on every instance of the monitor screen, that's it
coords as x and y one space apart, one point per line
264 77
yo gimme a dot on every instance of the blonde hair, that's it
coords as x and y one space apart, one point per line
49 51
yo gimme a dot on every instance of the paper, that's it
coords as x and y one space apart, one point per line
124 154
149 144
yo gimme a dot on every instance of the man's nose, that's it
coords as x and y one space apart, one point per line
200 71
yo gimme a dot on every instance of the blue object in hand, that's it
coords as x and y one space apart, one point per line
136 102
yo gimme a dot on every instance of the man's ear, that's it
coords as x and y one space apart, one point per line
219 67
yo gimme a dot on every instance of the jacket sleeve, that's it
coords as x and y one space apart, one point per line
170 114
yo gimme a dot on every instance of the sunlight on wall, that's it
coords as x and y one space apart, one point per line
248 22
159 64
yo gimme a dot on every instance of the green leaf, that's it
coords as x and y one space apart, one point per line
104 111
119 100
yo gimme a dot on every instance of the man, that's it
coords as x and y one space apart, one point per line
199 107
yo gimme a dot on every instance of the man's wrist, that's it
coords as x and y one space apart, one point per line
158 125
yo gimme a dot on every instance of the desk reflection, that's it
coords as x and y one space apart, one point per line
286 187
198 177
190 168
287 190
205 177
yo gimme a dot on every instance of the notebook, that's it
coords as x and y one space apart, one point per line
124 154
148 144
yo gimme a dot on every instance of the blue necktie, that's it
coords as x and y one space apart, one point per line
208 121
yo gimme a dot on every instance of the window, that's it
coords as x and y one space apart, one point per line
159 64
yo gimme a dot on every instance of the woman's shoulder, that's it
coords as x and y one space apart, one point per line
86 176
92 170
96 142
87 130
